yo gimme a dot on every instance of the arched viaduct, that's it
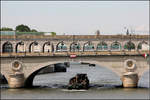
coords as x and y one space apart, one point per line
86 43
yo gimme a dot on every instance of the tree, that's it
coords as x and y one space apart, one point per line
22 28
53 33
6 29
33 30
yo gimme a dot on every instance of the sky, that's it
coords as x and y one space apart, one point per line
78 17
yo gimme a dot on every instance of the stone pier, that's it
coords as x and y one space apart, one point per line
130 76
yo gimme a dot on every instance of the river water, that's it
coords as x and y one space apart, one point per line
104 85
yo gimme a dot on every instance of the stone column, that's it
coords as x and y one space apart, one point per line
130 76
130 80
16 80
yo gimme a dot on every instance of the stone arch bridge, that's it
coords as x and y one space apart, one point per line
29 66
20 64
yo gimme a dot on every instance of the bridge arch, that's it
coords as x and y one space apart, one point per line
48 47
129 46
88 46
20 47
145 69
61 46
75 46
30 75
143 45
142 76
116 46
102 46
29 81
7 47
34 47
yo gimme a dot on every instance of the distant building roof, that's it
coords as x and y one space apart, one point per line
7 32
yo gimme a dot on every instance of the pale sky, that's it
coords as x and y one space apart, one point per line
78 17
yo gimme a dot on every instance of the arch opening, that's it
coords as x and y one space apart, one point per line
129 46
116 46
75 47
29 81
89 46
34 47
47 47
102 46
20 47
61 46
143 46
7 47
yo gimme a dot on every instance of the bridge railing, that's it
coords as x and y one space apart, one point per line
80 53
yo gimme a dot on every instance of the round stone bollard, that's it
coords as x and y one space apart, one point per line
16 66
130 80
130 65
16 80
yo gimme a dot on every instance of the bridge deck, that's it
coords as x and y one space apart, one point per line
80 53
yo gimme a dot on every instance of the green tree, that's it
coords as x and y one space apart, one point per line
53 33
6 29
22 28
33 30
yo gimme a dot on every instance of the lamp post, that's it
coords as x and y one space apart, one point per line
73 43
130 46
15 43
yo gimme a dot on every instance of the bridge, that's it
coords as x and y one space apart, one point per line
22 58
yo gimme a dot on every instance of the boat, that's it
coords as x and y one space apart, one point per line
80 81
